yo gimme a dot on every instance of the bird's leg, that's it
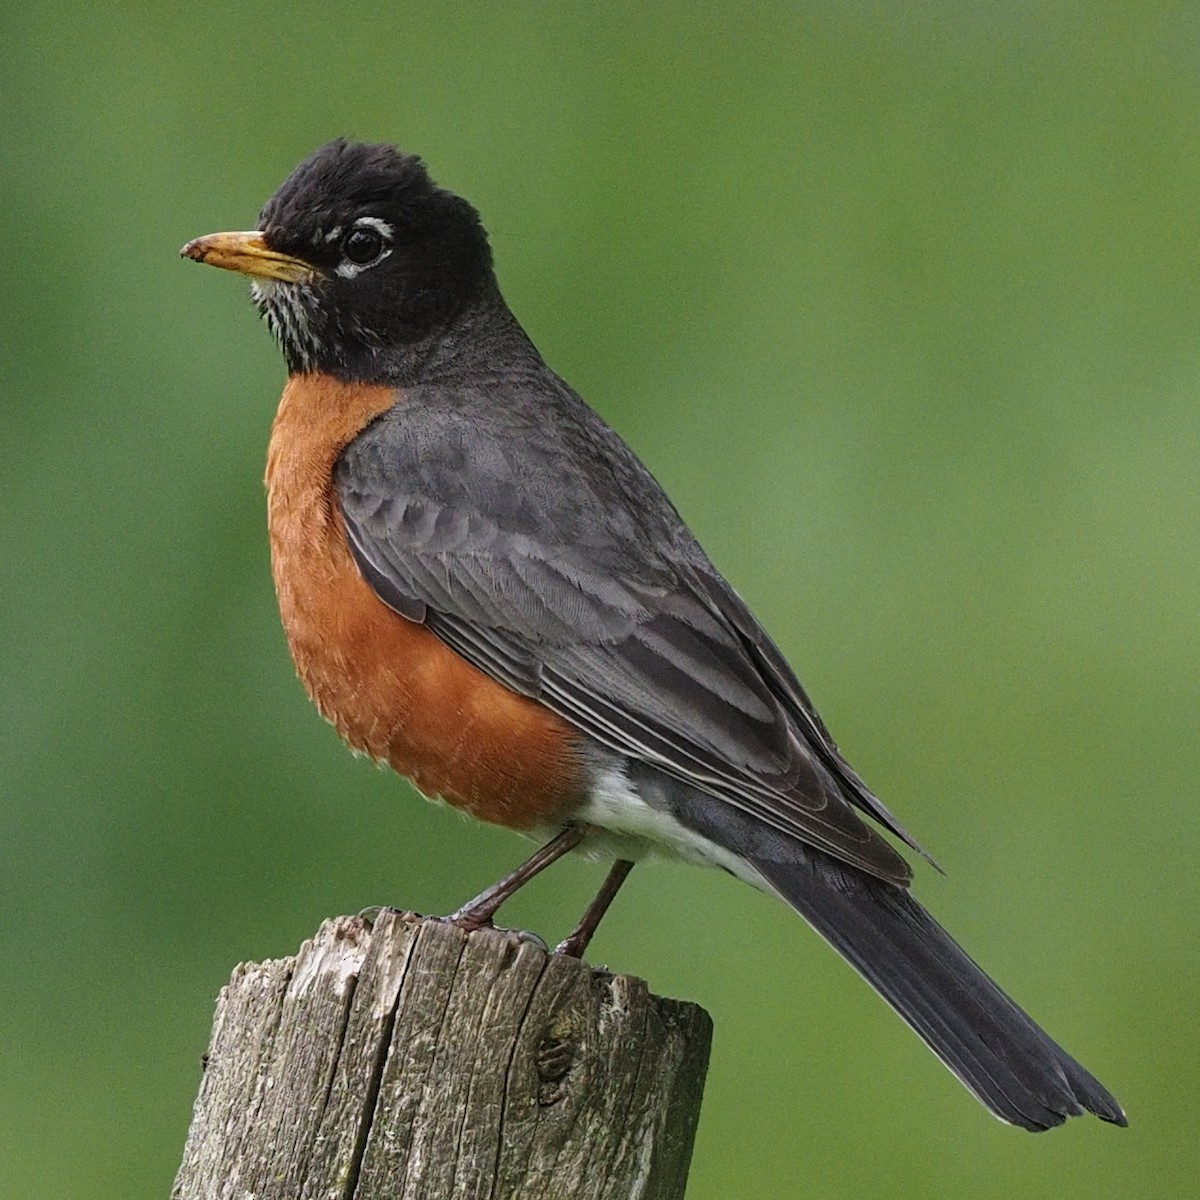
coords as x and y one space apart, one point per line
480 911
576 942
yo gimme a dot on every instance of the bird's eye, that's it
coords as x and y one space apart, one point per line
363 246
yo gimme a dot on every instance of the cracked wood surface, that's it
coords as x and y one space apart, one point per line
411 1060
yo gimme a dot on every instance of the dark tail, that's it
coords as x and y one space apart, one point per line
1010 1064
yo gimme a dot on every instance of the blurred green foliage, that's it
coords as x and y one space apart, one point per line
899 301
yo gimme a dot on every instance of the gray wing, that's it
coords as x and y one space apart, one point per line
551 560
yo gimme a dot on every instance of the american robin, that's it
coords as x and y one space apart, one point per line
482 586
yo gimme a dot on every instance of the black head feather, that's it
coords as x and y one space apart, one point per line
397 261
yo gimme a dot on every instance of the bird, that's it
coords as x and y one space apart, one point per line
482 586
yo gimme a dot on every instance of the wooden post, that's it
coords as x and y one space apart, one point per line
409 1059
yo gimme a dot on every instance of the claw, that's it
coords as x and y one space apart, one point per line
469 923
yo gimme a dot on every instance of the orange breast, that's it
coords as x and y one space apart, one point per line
389 686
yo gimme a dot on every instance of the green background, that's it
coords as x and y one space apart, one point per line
899 301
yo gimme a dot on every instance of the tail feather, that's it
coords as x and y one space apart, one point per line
1009 1063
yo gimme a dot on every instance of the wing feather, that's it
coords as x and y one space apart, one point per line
635 639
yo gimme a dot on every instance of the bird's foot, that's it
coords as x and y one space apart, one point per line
573 945
471 922
371 914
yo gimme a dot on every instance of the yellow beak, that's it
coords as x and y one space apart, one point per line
248 254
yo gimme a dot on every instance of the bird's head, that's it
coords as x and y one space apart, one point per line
358 259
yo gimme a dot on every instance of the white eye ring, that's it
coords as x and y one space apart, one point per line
347 269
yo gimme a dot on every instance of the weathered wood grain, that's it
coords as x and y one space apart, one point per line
411 1060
